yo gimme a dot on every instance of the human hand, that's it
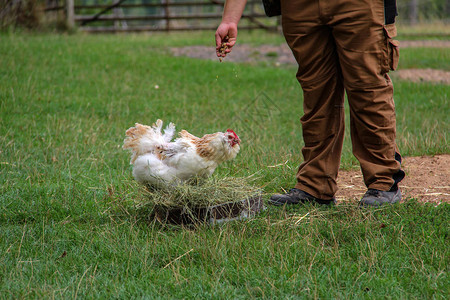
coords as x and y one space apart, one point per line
226 36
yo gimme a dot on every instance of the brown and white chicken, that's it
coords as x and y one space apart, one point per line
156 159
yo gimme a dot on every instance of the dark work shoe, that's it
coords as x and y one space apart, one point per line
296 196
376 197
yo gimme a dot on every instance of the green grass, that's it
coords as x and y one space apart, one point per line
69 226
420 58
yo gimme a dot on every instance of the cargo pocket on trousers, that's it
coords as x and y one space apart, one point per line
391 51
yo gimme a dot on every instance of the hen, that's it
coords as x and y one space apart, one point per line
156 159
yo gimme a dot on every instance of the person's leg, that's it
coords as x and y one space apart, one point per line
320 76
366 53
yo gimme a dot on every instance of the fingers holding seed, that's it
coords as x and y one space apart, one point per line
223 49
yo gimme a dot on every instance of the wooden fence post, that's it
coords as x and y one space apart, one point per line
70 14
167 14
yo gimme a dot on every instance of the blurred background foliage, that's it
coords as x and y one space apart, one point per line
30 14
415 11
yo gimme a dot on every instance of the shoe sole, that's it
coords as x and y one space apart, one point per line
396 199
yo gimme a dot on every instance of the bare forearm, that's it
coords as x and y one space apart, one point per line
233 10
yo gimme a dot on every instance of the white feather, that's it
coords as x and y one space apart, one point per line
169 131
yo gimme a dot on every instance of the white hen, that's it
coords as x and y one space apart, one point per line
156 159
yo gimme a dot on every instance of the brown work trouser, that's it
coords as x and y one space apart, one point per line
344 44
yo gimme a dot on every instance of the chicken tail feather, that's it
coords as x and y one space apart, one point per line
157 126
169 131
133 139
143 139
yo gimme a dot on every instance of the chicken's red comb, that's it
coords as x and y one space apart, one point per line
234 133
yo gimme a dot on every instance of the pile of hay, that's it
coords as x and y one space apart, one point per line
201 193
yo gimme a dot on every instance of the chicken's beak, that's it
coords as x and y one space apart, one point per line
235 141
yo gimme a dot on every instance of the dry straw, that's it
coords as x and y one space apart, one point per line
201 193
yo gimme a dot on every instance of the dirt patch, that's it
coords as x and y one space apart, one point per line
282 55
425 44
241 53
427 179
423 75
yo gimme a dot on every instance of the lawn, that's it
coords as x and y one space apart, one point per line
69 223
